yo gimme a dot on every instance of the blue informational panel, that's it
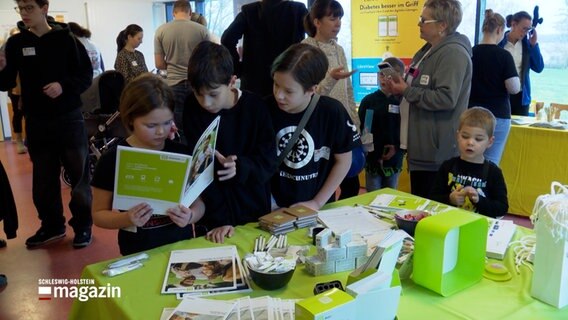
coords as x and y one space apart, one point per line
365 80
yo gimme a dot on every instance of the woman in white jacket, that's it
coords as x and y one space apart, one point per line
323 24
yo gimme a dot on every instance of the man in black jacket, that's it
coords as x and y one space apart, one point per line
54 70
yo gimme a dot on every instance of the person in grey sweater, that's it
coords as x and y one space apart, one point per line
435 92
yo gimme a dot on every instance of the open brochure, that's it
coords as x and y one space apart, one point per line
164 179
201 270
243 284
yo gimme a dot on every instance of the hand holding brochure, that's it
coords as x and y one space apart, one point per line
164 179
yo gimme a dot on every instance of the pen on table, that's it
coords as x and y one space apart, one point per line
120 270
129 260
377 211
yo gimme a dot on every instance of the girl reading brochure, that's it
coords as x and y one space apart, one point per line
146 110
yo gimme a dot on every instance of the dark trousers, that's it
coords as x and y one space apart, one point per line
54 142
421 182
517 107
17 114
349 187
181 91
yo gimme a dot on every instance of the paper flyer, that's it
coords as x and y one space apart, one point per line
396 202
196 308
206 269
164 179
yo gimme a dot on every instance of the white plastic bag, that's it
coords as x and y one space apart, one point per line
550 277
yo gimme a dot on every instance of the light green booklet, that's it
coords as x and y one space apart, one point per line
164 179
401 202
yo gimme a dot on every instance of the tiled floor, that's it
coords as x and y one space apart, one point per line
59 260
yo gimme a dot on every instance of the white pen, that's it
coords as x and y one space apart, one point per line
120 270
129 260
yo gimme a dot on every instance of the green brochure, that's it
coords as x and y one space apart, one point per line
164 179
401 202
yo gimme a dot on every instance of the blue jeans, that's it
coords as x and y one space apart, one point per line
54 142
181 91
375 181
502 128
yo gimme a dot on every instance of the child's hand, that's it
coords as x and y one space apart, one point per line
390 153
230 165
173 132
338 73
180 215
312 204
472 194
457 197
140 214
218 234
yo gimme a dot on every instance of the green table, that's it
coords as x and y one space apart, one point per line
141 298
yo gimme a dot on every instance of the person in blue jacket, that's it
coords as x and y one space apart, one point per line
521 42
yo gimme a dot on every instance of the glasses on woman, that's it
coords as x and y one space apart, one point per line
25 9
422 21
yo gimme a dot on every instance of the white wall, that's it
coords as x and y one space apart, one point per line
105 19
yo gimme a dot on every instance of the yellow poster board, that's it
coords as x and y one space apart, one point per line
382 29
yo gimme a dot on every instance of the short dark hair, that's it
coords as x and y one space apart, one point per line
78 30
182 5
478 117
306 63
40 3
517 17
142 95
320 9
210 66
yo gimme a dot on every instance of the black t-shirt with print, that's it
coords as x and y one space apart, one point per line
485 177
303 172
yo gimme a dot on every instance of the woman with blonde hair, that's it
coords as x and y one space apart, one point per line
435 92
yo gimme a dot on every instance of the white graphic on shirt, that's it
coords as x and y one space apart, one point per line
352 126
301 153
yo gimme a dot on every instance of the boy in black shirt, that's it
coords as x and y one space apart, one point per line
245 151
470 181
54 70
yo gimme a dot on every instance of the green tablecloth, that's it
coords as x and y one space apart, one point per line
141 298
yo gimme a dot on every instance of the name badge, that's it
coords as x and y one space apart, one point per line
393 108
134 63
424 79
29 51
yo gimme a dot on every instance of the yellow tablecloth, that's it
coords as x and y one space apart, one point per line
533 158
141 298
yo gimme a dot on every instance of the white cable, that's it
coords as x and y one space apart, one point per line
522 249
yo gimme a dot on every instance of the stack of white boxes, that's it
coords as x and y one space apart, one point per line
336 254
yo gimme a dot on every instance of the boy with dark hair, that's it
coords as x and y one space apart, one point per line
384 162
245 152
470 181
54 69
